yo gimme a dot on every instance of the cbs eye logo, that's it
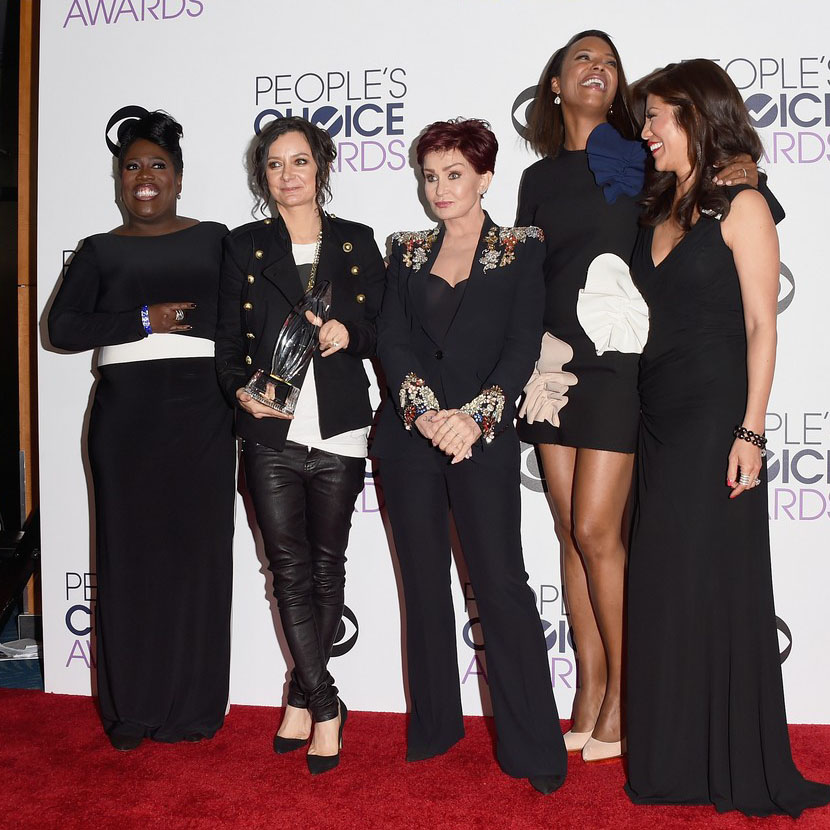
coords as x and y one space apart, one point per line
347 632
115 122
520 111
786 288
785 639
529 470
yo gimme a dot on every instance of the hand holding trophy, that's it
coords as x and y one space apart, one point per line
297 340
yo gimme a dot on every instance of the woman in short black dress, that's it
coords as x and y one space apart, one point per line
706 718
161 448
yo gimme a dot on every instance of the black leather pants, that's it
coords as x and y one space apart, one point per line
304 499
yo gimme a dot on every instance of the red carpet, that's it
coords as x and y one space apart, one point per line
59 771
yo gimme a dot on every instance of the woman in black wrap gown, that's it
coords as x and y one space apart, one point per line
161 448
706 719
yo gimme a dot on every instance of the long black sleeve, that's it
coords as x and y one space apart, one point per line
74 322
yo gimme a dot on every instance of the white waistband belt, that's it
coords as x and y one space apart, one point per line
156 347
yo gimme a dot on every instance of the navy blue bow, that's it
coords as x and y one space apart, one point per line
618 165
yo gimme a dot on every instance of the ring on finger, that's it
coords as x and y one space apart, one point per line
744 169
179 315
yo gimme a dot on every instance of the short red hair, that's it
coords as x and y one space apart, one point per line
472 137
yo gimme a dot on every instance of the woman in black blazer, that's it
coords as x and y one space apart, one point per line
304 473
458 336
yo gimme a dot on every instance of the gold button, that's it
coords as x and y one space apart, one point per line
355 270
361 298
250 335
251 278
347 247
247 306
267 221
258 254
248 359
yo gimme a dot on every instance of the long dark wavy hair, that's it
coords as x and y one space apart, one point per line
323 152
546 129
710 111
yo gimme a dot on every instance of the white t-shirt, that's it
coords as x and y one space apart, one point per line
305 428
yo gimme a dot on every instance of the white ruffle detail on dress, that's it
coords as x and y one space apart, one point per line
546 391
610 309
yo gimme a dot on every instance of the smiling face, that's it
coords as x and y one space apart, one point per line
589 76
291 171
149 183
667 142
451 184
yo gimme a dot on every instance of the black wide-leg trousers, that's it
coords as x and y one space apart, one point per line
486 506
304 499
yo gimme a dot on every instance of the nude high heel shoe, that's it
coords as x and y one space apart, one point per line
596 751
574 741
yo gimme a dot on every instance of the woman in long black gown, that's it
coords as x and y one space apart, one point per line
161 448
706 719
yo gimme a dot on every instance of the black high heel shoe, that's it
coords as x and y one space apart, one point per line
318 764
546 784
285 745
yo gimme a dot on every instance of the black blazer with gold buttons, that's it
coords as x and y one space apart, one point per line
493 339
259 287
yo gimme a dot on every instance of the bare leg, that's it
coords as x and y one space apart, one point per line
602 481
295 723
559 465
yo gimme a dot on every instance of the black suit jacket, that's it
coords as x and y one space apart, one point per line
493 339
259 287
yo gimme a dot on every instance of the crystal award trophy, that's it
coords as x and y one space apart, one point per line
296 341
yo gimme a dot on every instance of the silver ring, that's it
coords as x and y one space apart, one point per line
757 481
335 343
744 169
744 479
179 315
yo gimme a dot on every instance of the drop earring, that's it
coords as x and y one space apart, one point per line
178 195
557 99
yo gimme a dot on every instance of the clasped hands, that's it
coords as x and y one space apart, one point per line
450 430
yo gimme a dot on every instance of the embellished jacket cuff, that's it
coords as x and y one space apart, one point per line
416 398
486 410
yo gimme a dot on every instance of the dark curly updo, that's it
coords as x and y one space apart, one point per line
156 127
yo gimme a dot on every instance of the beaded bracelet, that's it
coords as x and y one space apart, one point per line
486 410
145 319
416 398
753 437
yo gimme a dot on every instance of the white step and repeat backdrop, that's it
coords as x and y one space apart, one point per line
374 74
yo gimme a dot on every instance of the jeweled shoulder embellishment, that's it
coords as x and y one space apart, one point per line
416 245
713 213
501 243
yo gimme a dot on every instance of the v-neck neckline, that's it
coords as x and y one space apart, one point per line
657 265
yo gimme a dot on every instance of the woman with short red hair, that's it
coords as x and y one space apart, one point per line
458 334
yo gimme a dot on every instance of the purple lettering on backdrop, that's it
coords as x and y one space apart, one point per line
818 147
341 156
556 672
197 3
78 652
151 10
363 163
75 13
126 7
164 8
400 156
476 669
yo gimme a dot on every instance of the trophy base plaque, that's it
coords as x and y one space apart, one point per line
273 391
